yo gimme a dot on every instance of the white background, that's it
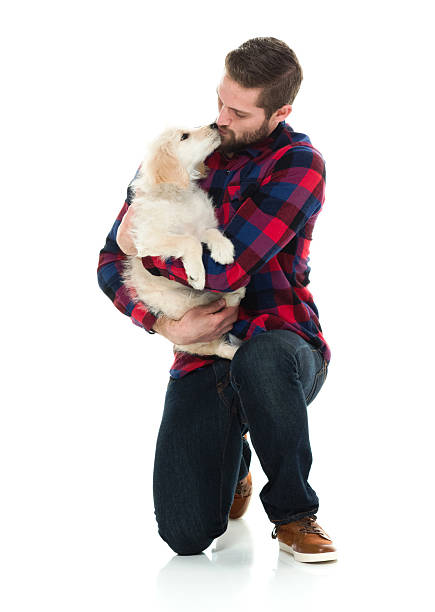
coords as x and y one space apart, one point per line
85 84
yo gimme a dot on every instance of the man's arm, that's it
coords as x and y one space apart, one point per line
199 324
111 282
265 222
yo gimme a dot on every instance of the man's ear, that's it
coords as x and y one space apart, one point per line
283 112
165 167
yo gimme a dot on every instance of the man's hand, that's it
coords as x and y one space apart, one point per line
199 324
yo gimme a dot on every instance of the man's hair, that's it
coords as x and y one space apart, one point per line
268 63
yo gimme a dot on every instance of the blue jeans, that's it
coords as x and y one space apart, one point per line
201 453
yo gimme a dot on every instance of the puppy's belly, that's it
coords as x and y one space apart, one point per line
161 294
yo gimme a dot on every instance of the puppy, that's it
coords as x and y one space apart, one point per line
170 215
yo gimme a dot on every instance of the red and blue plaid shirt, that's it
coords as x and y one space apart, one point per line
267 198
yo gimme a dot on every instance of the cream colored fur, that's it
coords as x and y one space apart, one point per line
170 216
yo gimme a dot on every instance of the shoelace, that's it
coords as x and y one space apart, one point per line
307 526
242 486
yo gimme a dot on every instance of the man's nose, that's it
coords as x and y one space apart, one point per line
223 117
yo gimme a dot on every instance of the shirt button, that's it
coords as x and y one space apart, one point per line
227 171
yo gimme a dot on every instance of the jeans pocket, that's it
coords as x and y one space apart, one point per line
319 379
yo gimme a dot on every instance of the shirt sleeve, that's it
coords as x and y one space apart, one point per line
111 282
273 212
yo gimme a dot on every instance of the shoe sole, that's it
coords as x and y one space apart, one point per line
308 557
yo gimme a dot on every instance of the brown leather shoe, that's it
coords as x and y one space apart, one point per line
242 497
305 540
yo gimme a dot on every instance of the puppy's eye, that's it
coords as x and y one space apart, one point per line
184 136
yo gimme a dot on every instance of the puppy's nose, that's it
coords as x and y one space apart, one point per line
214 126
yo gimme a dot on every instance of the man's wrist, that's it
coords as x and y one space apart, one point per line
156 324
161 324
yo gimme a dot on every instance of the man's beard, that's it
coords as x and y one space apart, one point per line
232 144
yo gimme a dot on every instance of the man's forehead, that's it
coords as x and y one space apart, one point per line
241 98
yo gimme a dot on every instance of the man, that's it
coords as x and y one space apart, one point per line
267 183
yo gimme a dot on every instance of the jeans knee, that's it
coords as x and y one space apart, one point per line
194 544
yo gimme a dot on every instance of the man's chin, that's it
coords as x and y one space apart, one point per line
231 147
228 143
223 148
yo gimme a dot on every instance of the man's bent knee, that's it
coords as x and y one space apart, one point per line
184 545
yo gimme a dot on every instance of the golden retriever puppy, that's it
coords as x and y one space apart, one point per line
170 216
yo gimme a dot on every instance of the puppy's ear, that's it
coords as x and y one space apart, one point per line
166 168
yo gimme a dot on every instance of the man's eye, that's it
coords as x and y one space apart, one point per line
184 136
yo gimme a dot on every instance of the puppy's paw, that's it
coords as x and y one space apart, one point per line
196 283
226 351
195 275
222 251
233 299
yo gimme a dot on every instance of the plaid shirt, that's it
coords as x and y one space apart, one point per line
267 198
